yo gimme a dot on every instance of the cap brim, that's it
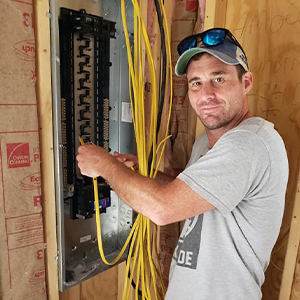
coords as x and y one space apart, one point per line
182 62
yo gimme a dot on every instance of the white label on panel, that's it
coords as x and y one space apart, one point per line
85 238
126 112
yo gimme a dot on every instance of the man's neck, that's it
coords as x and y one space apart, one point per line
215 134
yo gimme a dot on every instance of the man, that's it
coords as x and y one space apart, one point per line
232 190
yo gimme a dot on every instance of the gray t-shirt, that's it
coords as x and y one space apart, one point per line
223 253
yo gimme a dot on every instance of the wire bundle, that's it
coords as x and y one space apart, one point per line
143 269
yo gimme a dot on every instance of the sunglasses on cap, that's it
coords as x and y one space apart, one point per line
208 38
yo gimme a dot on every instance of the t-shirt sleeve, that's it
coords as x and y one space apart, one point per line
229 172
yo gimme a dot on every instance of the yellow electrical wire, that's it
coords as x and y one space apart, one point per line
140 257
145 260
98 224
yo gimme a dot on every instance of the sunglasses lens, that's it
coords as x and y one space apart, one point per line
214 37
192 44
187 43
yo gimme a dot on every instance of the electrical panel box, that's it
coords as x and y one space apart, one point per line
84 41
90 88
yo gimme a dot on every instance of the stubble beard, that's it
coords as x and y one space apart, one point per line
212 122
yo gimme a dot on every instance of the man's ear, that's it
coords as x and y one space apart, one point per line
247 81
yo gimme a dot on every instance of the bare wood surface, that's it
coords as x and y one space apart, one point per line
290 287
73 293
44 96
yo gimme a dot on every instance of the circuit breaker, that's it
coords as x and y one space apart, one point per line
84 77
90 87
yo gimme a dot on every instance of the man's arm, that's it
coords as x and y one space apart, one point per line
131 161
162 203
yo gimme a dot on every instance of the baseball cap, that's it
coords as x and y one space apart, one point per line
218 42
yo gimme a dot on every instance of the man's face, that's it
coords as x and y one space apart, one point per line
216 93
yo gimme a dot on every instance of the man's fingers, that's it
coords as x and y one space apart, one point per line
129 163
129 160
119 157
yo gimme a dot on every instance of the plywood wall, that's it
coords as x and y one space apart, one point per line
269 32
103 286
290 286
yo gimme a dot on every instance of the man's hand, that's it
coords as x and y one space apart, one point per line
93 160
129 160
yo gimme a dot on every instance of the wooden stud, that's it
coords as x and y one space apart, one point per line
292 249
215 14
44 96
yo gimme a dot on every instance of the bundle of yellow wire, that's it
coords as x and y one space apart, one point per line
142 264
